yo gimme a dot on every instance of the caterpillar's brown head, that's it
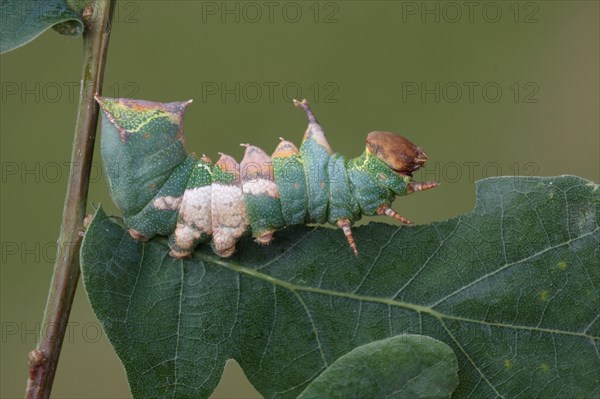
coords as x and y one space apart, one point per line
398 152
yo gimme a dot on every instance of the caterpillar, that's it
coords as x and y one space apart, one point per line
161 190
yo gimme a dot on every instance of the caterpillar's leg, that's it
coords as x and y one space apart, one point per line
344 224
415 186
136 235
179 255
386 210
265 238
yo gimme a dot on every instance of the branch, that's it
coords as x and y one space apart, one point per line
43 360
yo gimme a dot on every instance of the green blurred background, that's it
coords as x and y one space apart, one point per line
496 88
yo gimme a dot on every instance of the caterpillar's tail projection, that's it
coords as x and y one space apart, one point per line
163 191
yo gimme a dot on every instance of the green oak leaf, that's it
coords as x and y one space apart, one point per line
24 20
513 287
405 366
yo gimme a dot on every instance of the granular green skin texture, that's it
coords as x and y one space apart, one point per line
149 222
264 213
342 203
314 160
162 191
290 179
374 183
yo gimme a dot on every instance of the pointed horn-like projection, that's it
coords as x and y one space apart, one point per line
228 164
256 164
306 108
314 130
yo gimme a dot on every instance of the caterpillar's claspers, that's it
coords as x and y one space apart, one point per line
163 191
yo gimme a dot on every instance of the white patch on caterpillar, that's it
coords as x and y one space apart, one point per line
196 208
185 240
194 217
260 187
229 219
167 203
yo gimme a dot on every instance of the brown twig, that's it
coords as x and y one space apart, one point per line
43 360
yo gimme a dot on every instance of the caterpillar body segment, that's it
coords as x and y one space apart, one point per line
162 191
261 194
228 208
194 220
288 171
315 153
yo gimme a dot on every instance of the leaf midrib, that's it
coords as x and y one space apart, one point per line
440 316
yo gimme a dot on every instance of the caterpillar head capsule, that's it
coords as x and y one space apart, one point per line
398 152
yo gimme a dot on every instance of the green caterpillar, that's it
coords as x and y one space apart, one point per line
161 190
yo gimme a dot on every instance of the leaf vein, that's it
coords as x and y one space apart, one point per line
508 265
